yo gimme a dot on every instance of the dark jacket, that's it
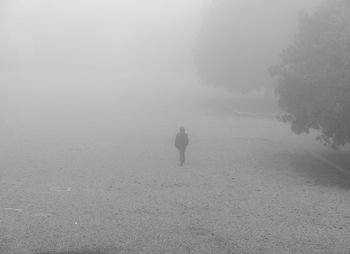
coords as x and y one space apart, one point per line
181 140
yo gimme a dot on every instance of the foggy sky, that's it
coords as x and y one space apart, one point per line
86 52
90 52
252 35
96 33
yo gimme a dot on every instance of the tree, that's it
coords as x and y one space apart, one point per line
239 40
314 74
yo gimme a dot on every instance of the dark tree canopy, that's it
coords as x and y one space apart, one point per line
314 74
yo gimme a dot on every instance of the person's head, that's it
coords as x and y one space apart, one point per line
182 129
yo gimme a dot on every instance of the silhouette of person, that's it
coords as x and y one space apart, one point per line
181 142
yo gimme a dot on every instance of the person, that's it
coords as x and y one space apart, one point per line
181 142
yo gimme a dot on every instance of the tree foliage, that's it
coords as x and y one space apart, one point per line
224 52
240 40
314 74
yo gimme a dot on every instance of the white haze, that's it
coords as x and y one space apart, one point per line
67 59
79 55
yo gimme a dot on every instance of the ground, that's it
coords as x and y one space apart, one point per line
249 186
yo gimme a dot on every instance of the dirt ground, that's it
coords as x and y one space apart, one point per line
248 186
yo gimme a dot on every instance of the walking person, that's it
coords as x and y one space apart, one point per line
181 142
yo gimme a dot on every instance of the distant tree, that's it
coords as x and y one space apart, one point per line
239 40
314 74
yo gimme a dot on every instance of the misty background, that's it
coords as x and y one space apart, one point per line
75 58
88 55
83 70
92 94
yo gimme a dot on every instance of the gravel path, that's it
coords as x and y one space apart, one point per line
247 187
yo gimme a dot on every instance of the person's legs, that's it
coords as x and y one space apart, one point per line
182 156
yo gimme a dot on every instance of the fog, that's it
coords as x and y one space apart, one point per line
260 32
92 95
74 56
